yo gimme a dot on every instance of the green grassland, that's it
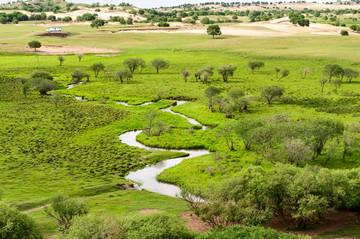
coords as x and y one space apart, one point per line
74 148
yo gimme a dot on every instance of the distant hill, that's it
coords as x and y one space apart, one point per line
52 6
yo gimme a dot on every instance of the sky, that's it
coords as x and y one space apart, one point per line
150 3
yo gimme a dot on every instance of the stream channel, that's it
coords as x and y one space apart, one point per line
146 178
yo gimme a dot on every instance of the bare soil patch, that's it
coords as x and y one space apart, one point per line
146 29
331 222
194 223
125 186
63 50
148 211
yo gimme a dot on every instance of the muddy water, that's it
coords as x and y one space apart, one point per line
146 177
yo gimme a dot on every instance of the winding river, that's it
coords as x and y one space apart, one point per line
146 178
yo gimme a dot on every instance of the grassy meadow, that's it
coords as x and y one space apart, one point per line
74 148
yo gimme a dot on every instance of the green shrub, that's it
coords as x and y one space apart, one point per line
151 226
239 232
344 33
16 225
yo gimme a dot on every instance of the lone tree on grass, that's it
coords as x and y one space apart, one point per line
323 82
185 74
55 97
78 75
64 209
43 86
210 93
270 93
98 23
134 63
304 72
80 56
253 65
122 75
283 74
227 132
350 74
226 71
61 60
332 70
97 68
214 30
34 45
159 64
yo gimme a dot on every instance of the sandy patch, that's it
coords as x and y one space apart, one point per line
63 50
261 7
275 28
194 223
148 211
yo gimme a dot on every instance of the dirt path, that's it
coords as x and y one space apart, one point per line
37 208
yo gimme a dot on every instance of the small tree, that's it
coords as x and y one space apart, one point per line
61 60
244 129
134 63
336 83
41 74
270 93
320 130
237 100
354 27
226 71
159 64
97 68
64 209
350 74
214 30
296 151
122 75
255 65
34 45
78 75
277 70
351 139
205 20
150 119
210 93
304 72
17 225
80 56
43 86
323 82
344 33
185 74
205 75
55 97
227 132
284 73
98 23
332 70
